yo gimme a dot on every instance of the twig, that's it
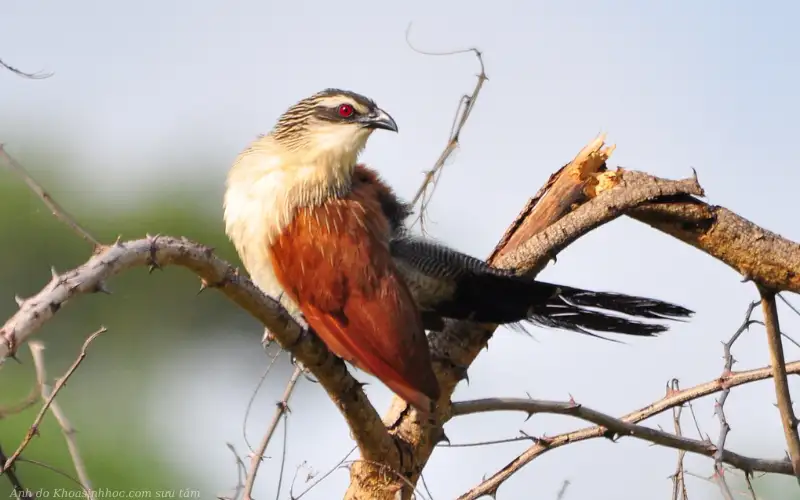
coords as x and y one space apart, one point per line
323 477
283 454
678 479
48 200
19 490
23 74
719 404
490 442
281 408
34 429
241 470
465 106
37 349
253 398
562 492
675 399
750 489
778 363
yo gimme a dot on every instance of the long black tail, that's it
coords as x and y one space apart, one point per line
449 284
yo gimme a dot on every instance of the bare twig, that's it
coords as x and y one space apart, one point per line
19 490
34 429
241 471
283 454
465 106
23 74
253 398
324 476
48 200
490 442
678 479
778 363
37 349
719 404
674 399
562 492
281 408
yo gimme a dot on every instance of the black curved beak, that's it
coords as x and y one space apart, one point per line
379 119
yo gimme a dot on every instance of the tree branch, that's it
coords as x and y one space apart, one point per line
754 252
779 371
367 427
618 427
671 400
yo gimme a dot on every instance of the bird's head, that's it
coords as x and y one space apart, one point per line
333 123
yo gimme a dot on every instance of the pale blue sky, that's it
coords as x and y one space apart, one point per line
711 85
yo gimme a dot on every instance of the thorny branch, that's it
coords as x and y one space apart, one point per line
34 429
671 400
612 426
719 403
779 373
37 349
281 411
465 106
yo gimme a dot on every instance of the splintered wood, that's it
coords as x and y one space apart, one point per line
581 179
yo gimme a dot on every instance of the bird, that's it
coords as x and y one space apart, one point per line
303 229
328 237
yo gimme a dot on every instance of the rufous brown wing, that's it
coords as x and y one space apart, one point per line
333 260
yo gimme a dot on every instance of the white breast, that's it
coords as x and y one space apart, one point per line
256 210
264 188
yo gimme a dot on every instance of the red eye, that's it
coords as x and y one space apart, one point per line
345 110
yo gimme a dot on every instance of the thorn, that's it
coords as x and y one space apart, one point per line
284 406
118 241
20 301
100 287
203 286
208 251
442 437
268 337
54 306
152 258
461 373
54 273
530 414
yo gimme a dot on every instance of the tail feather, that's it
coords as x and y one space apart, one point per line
504 299
449 284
